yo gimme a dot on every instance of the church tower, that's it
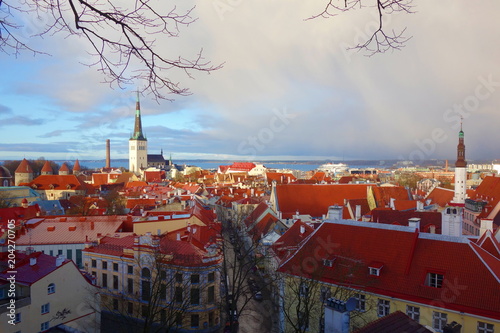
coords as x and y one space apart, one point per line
138 144
460 171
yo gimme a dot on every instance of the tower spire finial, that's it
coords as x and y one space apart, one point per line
138 135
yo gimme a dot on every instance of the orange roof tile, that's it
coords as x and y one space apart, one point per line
24 167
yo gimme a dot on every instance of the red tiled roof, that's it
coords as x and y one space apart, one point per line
440 196
24 167
315 199
490 244
384 194
68 230
394 322
405 204
27 274
60 182
292 238
280 177
77 167
387 216
64 167
47 167
407 257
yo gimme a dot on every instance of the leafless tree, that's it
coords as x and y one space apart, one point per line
123 36
380 40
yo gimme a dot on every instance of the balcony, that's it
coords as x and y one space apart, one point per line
21 302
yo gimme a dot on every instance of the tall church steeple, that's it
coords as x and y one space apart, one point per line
460 170
138 135
138 144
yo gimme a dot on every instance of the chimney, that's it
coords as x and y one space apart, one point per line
414 223
32 261
59 260
338 314
357 217
302 229
335 213
486 224
178 236
432 229
92 225
108 154
420 206
452 327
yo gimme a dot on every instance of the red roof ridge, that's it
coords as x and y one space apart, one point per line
491 262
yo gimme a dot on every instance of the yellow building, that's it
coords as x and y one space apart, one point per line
434 279
43 292
158 281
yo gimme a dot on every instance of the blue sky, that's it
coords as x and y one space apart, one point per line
289 89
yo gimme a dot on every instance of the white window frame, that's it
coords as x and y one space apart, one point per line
374 271
413 312
44 326
51 288
434 280
383 307
483 327
45 308
439 320
360 302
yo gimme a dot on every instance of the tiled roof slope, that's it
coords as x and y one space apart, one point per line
28 274
440 196
60 182
315 199
395 322
407 258
398 217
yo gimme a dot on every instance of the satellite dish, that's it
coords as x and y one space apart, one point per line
351 304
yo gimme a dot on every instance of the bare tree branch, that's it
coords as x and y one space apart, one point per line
123 37
380 40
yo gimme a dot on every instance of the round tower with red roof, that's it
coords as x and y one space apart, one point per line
47 169
24 173
64 170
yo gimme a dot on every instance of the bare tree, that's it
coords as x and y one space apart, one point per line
381 40
122 35
157 296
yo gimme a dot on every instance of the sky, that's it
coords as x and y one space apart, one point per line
289 88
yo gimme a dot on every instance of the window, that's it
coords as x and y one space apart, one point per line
79 258
45 308
146 290
303 289
178 277
195 296
94 263
195 320
44 326
163 291
434 280
69 254
130 286
18 318
115 266
178 294
51 288
115 304
104 265
178 319
211 277
211 294
144 311
59 252
325 294
360 302
146 273
130 308
51 253
383 307
115 281
327 262
210 319
195 278
413 312
439 320
485 327
130 269
163 275
104 280
163 316
374 271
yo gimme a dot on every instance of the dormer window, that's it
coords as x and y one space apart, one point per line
328 262
434 280
374 268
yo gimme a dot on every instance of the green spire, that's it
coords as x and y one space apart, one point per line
138 135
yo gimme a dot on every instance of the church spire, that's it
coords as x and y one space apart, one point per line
138 135
461 163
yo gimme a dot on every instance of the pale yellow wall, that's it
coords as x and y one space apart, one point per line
72 293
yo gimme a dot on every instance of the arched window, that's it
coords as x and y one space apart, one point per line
51 288
146 274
